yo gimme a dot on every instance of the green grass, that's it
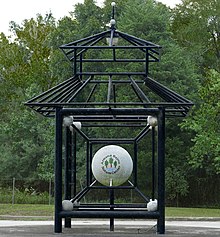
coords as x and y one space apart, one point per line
40 210
26 210
192 212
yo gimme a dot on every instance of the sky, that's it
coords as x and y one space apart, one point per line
18 10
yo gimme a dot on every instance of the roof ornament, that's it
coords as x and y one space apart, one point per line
113 21
113 39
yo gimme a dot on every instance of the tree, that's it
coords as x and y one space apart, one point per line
25 60
38 64
24 70
205 153
89 18
65 32
26 141
196 25
176 184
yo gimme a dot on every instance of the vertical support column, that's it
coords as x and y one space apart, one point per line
88 163
58 172
153 163
114 94
67 170
161 171
135 163
80 66
112 200
73 164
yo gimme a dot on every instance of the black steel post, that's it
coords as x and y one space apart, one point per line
90 163
87 163
135 163
114 94
153 163
81 66
112 197
67 171
58 172
161 171
73 178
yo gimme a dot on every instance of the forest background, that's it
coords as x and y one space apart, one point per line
31 62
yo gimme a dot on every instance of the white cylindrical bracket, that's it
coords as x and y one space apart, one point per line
77 125
67 121
67 205
152 121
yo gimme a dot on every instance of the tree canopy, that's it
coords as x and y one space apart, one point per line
32 63
196 25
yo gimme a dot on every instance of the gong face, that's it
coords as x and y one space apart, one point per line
112 165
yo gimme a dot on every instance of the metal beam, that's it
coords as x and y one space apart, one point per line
153 150
141 95
161 171
107 111
111 141
58 172
110 88
67 170
142 133
79 89
130 214
111 47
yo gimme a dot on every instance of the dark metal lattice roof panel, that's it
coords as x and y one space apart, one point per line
95 42
97 87
102 92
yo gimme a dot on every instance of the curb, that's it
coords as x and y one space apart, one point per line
10 217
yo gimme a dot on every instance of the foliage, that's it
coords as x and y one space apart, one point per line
32 62
26 153
176 184
24 67
26 196
196 26
89 18
145 19
205 153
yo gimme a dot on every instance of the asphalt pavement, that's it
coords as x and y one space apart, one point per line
128 228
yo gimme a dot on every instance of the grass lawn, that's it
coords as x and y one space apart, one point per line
26 210
48 210
192 212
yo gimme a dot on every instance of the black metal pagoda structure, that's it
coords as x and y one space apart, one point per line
94 97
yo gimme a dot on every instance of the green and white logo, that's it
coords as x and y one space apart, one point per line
110 164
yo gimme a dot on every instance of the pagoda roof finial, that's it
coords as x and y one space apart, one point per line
113 21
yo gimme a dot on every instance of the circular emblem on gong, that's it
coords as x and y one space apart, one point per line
110 164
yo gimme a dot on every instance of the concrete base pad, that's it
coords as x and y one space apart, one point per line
101 228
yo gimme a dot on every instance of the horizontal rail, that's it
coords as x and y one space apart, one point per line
151 104
106 205
110 214
110 47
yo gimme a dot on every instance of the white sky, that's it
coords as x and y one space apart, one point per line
18 10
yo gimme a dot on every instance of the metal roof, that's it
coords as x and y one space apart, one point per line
95 87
